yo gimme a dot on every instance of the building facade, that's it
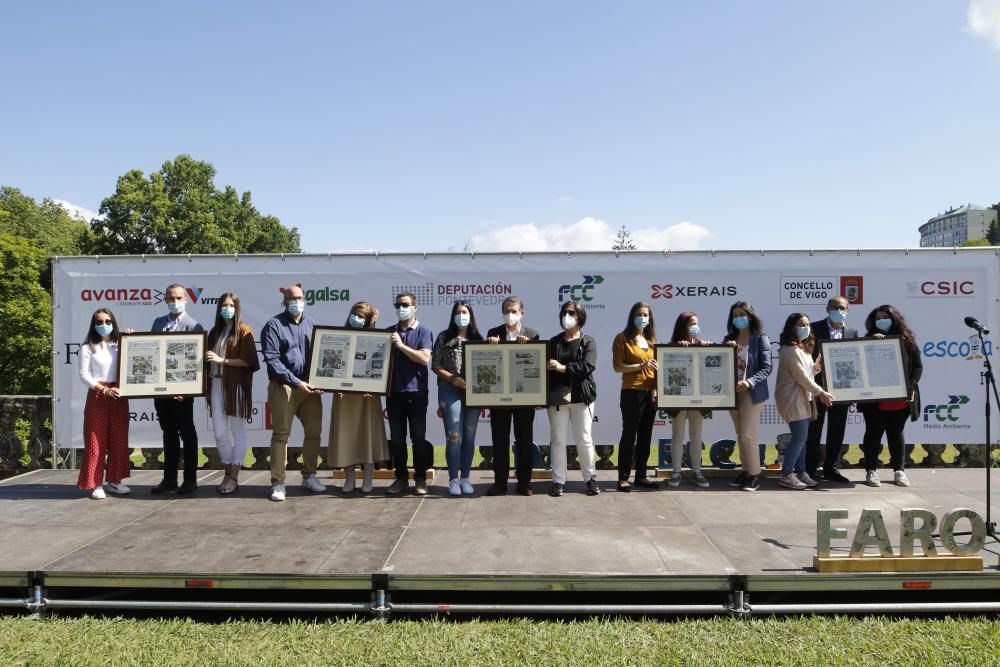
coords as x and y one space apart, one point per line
956 226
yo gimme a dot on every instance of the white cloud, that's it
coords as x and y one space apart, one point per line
983 19
77 211
587 234
563 199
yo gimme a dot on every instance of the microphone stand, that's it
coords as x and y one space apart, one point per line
987 379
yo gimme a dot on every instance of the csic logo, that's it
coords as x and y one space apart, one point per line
929 289
945 412
124 296
581 292
326 294
954 349
669 291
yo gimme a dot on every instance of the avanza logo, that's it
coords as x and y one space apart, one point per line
129 296
670 291
581 291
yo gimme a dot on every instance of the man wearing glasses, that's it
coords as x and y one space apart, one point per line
284 344
406 403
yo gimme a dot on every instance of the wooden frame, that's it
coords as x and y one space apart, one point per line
860 370
162 364
351 361
696 377
506 375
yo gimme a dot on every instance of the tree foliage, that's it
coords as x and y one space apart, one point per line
623 240
975 243
993 233
48 226
178 209
25 323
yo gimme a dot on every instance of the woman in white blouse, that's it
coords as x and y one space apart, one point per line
794 394
105 417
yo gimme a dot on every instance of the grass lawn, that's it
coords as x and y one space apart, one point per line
789 641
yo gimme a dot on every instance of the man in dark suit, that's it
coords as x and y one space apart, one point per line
176 414
512 331
832 327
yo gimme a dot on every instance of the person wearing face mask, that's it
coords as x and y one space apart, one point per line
232 361
572 393
284 344
794 392
105 416
407 402
832 327
512 330
687 332
357 428
176 414
633 356
889 417
753 366
460 422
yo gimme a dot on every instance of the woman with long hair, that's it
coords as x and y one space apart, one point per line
357 427
633 356
793 395
889 417
232 361
687 332
745 332
460 422
105 415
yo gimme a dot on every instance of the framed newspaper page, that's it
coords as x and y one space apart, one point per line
159 365
696 377
506 375
350 360
858 370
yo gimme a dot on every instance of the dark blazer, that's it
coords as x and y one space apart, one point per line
913 369
501 333
186 323
758 365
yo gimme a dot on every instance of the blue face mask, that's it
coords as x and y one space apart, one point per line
837 316
461 320
640 322
227 312
355 321
104 329
741 322
802 332
296 307
404 313
883 325
176 308
694 330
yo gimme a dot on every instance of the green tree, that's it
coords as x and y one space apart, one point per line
25 325
47 225
178 209
993 233
975 242
623 240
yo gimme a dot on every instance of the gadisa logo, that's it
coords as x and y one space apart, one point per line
324 294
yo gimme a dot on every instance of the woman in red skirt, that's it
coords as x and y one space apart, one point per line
105 418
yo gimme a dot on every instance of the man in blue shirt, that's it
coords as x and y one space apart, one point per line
407 401
284 344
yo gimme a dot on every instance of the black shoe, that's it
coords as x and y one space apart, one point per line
186 488
624 486
525 489
497 489
592 488
163 487
556 490
420 487
738 481
647 483
398 486
835 476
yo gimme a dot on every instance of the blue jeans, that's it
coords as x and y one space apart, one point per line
460 425
795 455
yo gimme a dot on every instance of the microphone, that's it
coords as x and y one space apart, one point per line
973 323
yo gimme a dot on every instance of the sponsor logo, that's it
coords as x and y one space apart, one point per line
672 290
424 292
943 415
147 416
818 290
583 291
314 296
852 288
955 349
931 289
477 294
124 296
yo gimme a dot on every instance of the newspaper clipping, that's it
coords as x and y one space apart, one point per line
370 353
526 371
142 366
333 355
487 373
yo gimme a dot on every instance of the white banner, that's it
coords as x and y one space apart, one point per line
934 289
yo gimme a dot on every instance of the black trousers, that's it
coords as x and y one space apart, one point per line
836 419
500 422
177 423
409 408
889 423
638 411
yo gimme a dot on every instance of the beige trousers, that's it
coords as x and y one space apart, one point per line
287 402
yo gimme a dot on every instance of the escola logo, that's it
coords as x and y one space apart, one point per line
945 411
582 291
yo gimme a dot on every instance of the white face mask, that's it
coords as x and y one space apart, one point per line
511 319
568 321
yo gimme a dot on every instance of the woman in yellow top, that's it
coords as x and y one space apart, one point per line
634 358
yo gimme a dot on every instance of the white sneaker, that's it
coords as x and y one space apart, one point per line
466 486
791 481
121 488
675 480
366 478
700 480
349 481
278 493
313 484
901 478
454 488
871 478
807 480
98 493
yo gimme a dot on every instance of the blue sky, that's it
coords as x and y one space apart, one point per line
522 125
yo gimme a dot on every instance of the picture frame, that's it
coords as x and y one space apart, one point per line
862 370
506 375
162 364
696 377
351 361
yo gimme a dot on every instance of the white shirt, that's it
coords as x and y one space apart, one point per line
835 334
512 335
100 365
